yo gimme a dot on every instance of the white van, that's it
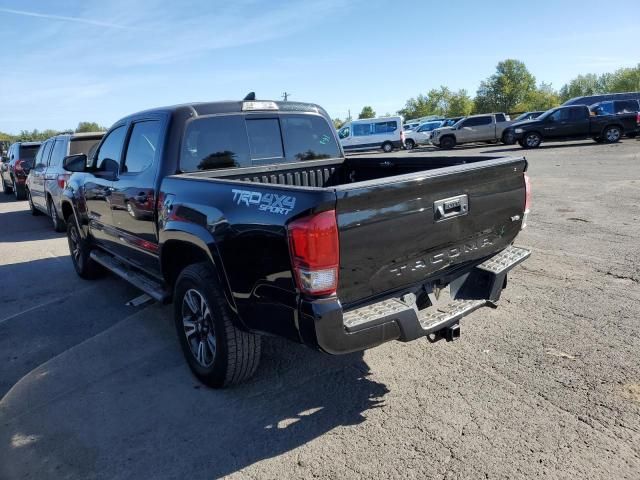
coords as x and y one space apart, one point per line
384 132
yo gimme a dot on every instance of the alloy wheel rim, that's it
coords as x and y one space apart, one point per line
74 243
532 140
197 324
613 134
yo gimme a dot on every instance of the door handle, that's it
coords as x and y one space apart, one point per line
451 207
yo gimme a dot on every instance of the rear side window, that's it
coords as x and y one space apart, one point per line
626 106
57 153
142 147
385 127
477 121
44 157
579 113
500 117
111 150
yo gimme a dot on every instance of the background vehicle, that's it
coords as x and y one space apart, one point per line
47 179
591 99
448 122
410 125
476 128
421 135
614 107
14 171
259 224
573 122
528 116
373 133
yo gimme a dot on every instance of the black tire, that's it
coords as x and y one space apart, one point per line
19 191
387 147
233 353
409 144
34 211
531 140
82 262
58 223
521 143
5 188
508 139
611 134
447 143
598 139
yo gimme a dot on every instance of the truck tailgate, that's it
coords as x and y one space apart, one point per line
418 228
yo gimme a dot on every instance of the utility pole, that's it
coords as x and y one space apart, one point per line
349 115
285 96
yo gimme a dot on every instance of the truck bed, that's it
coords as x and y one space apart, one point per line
404 222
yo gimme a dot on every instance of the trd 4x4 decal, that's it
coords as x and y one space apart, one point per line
267 202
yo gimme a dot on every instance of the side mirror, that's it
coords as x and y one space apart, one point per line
75 163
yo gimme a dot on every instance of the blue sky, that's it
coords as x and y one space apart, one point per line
70 61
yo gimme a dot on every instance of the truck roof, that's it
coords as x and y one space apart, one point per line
229 106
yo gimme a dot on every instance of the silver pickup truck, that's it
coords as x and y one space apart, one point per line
476 128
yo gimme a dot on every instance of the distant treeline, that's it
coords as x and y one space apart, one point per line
40 135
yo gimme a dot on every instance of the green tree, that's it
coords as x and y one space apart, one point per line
460 104
624 80
589 84
367 112
89 127
504 90
337 123
542 98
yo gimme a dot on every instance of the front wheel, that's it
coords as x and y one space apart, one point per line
32 208
447 143
218 353
612 134
532 140
387 147
409 144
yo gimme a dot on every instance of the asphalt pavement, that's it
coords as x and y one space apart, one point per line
547 385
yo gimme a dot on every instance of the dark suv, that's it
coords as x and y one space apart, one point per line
16 166
47 178
615 107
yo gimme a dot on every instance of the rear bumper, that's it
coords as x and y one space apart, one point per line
338 332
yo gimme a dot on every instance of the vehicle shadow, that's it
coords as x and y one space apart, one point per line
21 226
546 146
128 407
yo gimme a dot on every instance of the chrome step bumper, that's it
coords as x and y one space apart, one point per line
479 287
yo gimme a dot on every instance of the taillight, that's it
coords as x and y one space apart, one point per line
62 179
402 136
638 119
18 168
527 199
314 247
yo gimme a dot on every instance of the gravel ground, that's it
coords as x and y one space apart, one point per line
546 385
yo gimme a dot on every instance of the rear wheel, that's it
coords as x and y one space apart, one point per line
612 134
34 211
447 143
19 191
532 140
218 353
409 144
58 223
80 251
387 147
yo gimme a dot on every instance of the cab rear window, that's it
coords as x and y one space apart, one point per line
28 152
232 141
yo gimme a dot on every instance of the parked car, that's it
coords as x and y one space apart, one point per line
476 128
47 179
16 166
570 123
260 225
410 126
528 116
591 99
421 135
371 134
614 107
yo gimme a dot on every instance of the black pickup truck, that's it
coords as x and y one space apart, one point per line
248 217
572 123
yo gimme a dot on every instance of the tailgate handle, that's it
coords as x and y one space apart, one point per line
451 207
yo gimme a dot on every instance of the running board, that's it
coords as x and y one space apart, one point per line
139 280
